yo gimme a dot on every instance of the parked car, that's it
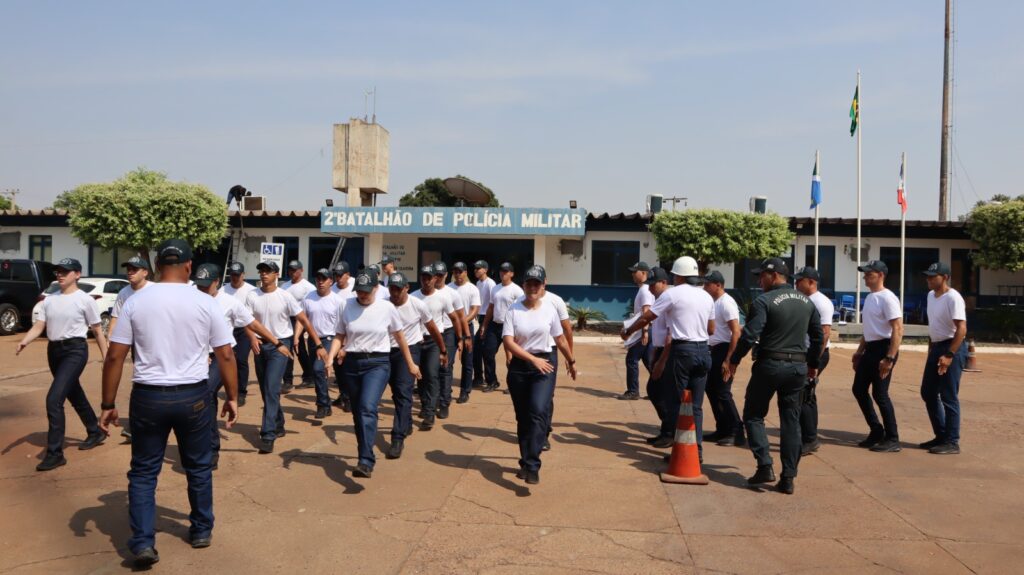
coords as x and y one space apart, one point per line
20 284
103 290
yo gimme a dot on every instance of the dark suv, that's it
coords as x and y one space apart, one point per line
21 283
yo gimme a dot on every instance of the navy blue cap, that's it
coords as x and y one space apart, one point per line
507 267
295 265
70 264
269 266
235 268
174 251
440 269
136 262
366 280
874 266
807 272
459 266
657 274
536 273
387 260
772 265
324 273
481 264
397 280
340 268
206 274
640 267
427 270
715 277
938 269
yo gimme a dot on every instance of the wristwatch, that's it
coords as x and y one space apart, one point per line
890 359
948 355
105 406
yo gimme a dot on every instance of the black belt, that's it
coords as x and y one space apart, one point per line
688 342
540 354
182 387
938 343
497 322
783 356
366 354
68 341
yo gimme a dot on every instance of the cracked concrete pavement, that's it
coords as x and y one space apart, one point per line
452 504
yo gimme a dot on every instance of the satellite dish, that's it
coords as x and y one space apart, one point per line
468 191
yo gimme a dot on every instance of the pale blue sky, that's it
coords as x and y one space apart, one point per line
543 101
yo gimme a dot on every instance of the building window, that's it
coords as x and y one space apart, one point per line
918 260
965 276
610 261
40 248
107 263
291 251
826 267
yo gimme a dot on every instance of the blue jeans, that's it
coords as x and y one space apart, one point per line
866 376
941 392
323 397
451 346
67 360
366 379
719 392
304 361
491 347
154 414
401 383
634 355
531 393
243 348
690 363
272 364
430 369
479 359
466 381
659 390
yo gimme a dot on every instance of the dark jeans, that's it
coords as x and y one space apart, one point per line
866 377
304 361
446 376
723 406
941 392
809 404
468 354
491 347
531 393
634 355
323 396
154 414
768 377
366 379
659 389
480 360
272 365
554 382
243 348
430 369
67 361
690 362
401 383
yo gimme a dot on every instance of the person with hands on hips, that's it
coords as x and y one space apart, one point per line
525 331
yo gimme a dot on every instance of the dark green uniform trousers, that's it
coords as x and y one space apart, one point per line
771 376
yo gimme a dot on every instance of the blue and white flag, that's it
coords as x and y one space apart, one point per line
815 186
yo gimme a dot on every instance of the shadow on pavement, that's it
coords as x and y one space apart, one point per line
36 438
594 392
490 470
335 467
601 436
463 432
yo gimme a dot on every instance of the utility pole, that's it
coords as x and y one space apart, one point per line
947 110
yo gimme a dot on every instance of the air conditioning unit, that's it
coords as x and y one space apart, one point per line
654 203
254 203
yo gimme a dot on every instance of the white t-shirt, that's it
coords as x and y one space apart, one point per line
725 311
470 297
323 312
532 329
555 301
413 315
825 309
368 328
457 304
438 306
241 293
880 308
502 298
659 332
299 289
235 312
687 309
171 327
70 315
345 292
122 296
485 286
275 310
643 297
941 313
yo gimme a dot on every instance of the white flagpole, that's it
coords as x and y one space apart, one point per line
817 164
903 230
860 132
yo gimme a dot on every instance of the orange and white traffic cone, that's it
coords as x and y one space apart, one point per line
972 362
684 466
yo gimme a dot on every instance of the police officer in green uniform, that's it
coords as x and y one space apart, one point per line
779 321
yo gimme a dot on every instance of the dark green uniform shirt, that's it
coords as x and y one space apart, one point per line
779 320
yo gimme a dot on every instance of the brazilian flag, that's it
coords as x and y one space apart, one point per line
855 111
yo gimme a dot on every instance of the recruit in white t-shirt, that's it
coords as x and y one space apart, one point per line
457 304
274 310
485 286
367 329
122 296
942 312
825 310
300 289
235 312
502 298
323 311
345 292
532 329
69 315
880 308
241 293
438 306
643 297
687 309
413 315
470 296
556 302
726 310
171 327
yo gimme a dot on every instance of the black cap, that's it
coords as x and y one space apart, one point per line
506 267
440 269
324 273
70 264
340 268
366 281
397 280
174 251
657 274
427 270
481 264
136 262
536 273
772 265
938 269
459 266
269 266
874 266
807 272
295 265
387 260
640 267
235 268
206 274
373 268
715 277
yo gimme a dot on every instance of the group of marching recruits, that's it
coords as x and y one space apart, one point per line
686 330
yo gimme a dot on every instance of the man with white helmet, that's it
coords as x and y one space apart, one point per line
689 312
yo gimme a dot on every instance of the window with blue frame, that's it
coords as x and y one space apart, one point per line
40 248
610 261
826 267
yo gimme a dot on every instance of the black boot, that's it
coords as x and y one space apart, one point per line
764 474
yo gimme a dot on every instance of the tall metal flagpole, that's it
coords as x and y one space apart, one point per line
860 132
903 228
817 164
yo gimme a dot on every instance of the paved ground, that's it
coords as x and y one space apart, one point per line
453 505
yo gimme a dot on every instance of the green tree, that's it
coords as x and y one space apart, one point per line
63 201
142 209
720 236
998 230
432 193
5 203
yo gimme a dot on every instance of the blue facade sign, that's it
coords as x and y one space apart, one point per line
497 221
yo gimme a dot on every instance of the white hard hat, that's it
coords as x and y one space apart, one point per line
685 266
